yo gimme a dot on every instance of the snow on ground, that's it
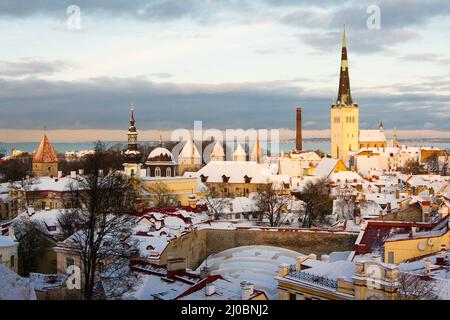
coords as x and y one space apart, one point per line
256 264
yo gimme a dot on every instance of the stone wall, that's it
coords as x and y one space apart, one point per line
197 245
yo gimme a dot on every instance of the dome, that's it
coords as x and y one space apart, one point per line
160 154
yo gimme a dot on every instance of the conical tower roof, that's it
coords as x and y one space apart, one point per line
189 150
256 151
45 152
217 150
239 151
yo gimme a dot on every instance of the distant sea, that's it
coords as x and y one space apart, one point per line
308 144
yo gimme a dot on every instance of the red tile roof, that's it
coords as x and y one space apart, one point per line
45 152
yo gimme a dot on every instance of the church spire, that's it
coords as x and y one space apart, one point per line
132 133
132 114
344 95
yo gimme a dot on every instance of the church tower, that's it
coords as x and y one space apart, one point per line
132 166
344 115
45 160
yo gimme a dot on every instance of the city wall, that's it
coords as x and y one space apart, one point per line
197 245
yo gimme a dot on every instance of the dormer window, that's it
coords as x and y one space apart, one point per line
203 178
225 179
247 179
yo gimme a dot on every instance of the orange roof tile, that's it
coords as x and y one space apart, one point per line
45 152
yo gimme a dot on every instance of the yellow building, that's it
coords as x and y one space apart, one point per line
344 115
310 279
327 166
417 244
373 138
234 178
8 251
180 188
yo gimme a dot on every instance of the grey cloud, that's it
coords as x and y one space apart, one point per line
364 41
103 103
32 67
425 57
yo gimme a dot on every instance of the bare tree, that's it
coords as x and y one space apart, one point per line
344 204
15 169
99 215
318 204
410 167
164 197
32 244
216 204
416 287
433 164
444 168
272 205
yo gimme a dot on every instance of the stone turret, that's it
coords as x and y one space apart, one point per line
239 154
189 159
217 153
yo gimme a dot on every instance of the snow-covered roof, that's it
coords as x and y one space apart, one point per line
6 241
235 170
42 282
371 136
325 167
327 270
14 287
158 152
154 285
52 184
223 290
345 176
239 152
4 187
217 150
189 150
255 264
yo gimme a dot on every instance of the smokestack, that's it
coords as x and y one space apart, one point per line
298 142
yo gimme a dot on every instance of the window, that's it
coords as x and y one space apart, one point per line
390 257
168 172
292 296
69 262
158 172
132 172
13 261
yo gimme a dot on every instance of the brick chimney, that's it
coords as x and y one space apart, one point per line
298 140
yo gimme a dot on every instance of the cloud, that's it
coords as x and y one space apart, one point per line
103 103
32 67
424 57
363 41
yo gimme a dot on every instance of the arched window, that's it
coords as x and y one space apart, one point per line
157 172
168 172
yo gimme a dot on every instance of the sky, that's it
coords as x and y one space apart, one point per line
229 63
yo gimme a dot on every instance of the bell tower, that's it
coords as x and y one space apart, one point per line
132 166
344 114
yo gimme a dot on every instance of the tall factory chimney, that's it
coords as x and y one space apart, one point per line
298 142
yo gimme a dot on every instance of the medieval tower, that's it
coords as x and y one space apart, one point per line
344 115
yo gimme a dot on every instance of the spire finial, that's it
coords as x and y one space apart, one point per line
132 113
160 140
344 38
